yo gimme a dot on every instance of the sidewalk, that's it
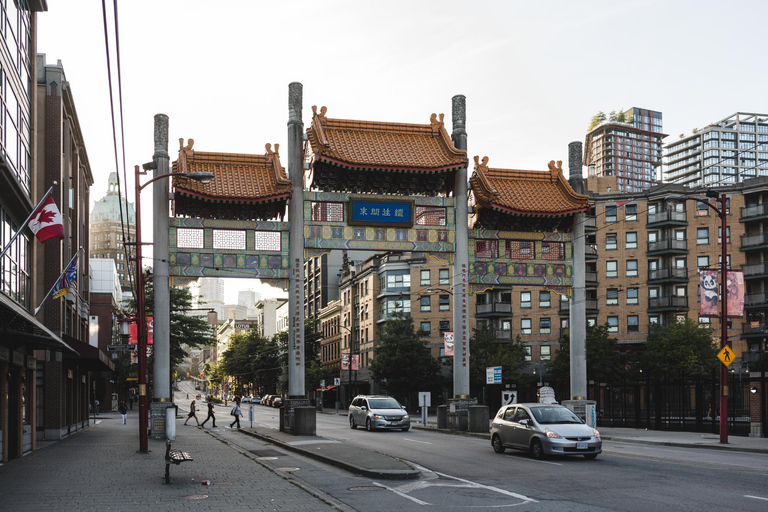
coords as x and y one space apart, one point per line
99 468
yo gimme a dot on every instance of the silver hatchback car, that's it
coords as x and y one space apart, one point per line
376 412
544 429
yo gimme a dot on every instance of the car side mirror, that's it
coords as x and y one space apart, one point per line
524 423
363 408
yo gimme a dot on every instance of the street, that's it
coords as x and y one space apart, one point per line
462 472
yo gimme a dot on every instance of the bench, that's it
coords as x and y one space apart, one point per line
175 457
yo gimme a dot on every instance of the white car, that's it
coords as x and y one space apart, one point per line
544 429
376 412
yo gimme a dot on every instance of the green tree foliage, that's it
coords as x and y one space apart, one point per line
403 359
184 330
604 363
678 351
486 350
598 118
253 358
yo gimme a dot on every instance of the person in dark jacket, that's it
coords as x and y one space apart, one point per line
123 410
192 413
211 416
236 412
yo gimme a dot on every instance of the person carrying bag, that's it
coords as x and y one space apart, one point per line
236 412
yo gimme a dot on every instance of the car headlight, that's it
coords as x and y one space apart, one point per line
377 416
596 433
405 417
553 435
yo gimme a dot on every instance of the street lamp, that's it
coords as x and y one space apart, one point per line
141 313
540 366
716 197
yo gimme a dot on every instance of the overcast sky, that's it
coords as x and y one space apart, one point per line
533 72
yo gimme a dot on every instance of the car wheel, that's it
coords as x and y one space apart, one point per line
352 422
406 429
368 425
591 456
498 447
537 451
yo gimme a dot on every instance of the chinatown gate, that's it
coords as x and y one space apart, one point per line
371 186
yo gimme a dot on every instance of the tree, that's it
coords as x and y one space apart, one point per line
487 351
186 330
604 363
253 358
403 359
678 351
598 118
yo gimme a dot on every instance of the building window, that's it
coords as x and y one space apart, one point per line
702 261
444 277
631 240
527 350
426 304
525 300
720 234
631 268
525 326
612 297
545 352
445 303
545 326
704 320
425 281
610 242
610 214
611 269
632 295
702 210
653 320
630 212
545 299
426 327
702 236
445 325
653 236
633 323
613 324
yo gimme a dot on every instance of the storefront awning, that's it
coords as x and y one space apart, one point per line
88 357
18 328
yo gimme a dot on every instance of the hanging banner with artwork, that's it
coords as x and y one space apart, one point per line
345 361
355 362
735 293
708 293
448 344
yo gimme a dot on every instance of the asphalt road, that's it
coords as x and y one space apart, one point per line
462 473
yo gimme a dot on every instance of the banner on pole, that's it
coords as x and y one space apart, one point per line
735 287
708 293
448 344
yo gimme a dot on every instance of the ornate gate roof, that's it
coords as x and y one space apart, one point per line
244 187
389 158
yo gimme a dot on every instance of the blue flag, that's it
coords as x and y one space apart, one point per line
65 281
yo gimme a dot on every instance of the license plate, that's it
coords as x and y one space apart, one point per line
582 446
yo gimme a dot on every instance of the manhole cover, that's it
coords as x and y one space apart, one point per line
287 469
194 497
265 453
366 488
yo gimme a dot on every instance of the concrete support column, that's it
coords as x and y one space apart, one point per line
460 280
296 253
578 316
162 318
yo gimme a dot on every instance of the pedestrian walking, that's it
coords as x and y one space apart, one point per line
123 410
130 402
192 413
211 416
236 412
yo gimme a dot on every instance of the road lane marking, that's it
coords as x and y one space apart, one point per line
713 467
415 500
755 497
415 441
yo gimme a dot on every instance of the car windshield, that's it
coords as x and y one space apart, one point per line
383 403
551 415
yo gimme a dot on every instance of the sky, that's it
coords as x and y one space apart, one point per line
533 72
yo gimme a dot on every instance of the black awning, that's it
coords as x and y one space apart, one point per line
88 357
20 329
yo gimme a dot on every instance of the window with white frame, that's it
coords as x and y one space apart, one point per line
545 352
613 324
611 296
525 300
632 295
611 269
631 268
525 326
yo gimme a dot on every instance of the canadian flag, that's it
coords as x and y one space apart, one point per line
46 221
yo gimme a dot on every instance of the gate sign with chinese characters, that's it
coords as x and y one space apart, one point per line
380 212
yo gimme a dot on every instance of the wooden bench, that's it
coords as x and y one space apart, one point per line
175 457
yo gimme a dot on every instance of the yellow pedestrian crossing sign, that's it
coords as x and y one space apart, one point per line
726 355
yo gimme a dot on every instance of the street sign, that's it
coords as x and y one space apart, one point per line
493 375
726 356
121 348
322 384
337 381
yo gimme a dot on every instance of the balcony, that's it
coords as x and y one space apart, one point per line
590 279
755 271
590 252
750 242
565 307
503 334
672 303
667 246
667 218
756 212
494 309
668 275
754 329
756 300
590 223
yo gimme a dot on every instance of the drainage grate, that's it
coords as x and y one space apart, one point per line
194 497
367 488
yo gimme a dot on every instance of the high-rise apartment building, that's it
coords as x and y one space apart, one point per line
627 146
110 229
727 151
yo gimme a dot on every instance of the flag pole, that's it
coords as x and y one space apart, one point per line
18 231
37 309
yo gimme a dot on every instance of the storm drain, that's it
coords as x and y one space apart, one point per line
194 497
366 488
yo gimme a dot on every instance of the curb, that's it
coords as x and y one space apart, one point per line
385 474
729 448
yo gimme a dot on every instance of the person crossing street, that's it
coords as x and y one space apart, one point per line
211 416
236 412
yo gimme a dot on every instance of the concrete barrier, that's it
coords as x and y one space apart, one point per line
478 418
305 421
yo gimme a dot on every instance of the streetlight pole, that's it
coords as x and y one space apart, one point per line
717 197
141 312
